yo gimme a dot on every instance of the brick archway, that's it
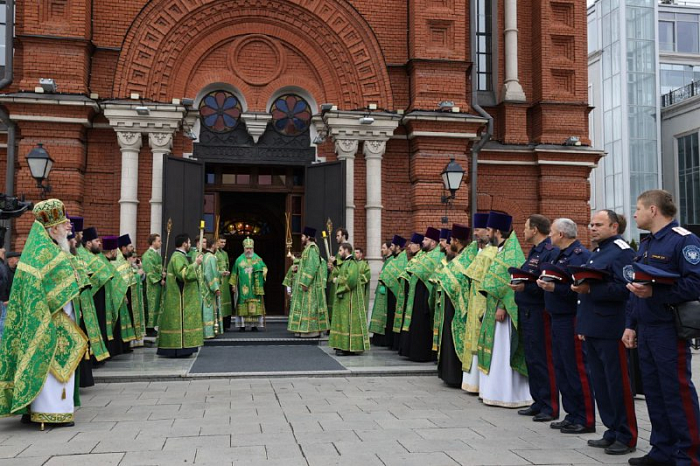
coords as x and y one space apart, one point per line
163 45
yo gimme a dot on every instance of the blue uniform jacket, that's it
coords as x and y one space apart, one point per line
601 313
533 296
675 250
562 301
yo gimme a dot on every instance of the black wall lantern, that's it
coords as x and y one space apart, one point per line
40 163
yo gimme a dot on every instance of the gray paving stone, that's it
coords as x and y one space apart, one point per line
435 445
495 457
199 441
33 461
105 459
418 459
117 444
552 456
152 458
346 460
233 454
9 451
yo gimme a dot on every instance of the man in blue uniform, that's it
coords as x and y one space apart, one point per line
600 322
536 324
664 359
569 358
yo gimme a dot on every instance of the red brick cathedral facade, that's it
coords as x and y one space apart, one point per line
258 72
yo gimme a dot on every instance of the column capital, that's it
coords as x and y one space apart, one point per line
160 142
346 148
256 123
144 117
374 149
129 140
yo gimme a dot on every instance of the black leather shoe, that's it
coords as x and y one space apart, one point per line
619 448
26 419
601 443
542 417
646 460
577 429
559 424
55 425
529 411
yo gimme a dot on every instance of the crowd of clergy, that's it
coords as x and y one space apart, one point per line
564 323
79 299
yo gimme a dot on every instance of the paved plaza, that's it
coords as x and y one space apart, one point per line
289 421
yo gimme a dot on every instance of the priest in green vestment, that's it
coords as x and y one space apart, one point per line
503 379
334 262
122 329
365 273
417 329
210 290
248 276
180 325
42 345
133 274
349 325
377 318
308 315
382 323
413 253
152 264
224 265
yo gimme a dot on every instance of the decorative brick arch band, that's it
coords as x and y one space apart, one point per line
337 37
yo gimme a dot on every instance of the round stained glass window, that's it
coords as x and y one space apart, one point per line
291 115
220 111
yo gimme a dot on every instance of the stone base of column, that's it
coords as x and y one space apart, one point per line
513 92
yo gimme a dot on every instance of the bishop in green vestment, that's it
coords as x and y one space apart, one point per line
152 264
210 289
503 379
225 271
349 326
308 315
180 326
248 277
42 345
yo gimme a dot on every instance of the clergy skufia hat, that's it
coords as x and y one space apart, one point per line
110 243
417 238
581 274
50 213
480 219
449 237
553 273
77 223
521 276
310 232
647 274
461 232
432 233
124 240
400 241
90 234
499 221
444 233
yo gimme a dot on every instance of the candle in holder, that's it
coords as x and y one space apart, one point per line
201 225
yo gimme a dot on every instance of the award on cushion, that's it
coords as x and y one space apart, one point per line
581 274
554 273
521 276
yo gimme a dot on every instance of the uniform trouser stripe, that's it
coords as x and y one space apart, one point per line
553 390
585 384
687 394
627 394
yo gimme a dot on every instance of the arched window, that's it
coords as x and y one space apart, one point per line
220 111
291 115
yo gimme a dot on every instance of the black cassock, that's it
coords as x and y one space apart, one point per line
417 343
449 365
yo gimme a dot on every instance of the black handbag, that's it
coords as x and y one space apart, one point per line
687 316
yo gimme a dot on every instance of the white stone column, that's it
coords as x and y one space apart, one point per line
373 151
130 144
512 90
161 145
346 150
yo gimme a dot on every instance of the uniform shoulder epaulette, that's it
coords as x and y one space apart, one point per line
578 251
681 231
622 244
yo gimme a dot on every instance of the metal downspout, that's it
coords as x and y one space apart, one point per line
4 82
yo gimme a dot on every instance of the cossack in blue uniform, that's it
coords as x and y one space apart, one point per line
601 319
569 358
664 358
535 324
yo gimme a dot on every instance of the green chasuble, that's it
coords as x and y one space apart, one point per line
500 295
308 312
377 323
180 324
211 283
439 306
152 264
365 278
403 279
248 277
84 309
39 336
349 325
476 306
131 320
427 264
459 271
224 266
330 289
390 278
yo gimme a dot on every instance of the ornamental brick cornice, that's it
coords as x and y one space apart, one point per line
157 47
161 118
347 125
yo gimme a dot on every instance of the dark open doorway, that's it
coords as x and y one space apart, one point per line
261 216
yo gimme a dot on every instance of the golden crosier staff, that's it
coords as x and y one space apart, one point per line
217 314
288 238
